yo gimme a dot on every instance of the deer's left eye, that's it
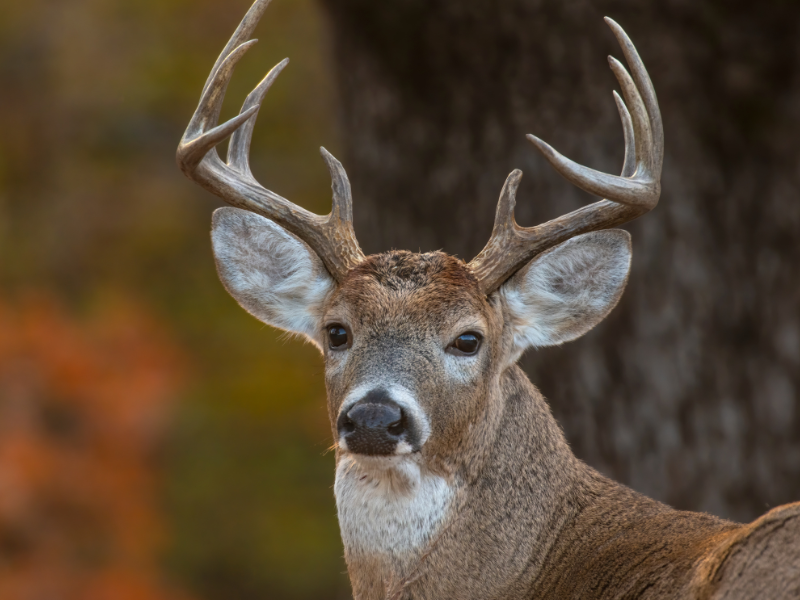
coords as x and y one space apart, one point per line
466 344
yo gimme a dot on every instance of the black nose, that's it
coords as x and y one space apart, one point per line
373 425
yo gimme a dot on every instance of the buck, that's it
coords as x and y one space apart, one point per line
453 479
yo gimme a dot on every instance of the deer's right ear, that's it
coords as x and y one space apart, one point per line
561 294
269 272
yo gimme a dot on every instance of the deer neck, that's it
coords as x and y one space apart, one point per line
507 498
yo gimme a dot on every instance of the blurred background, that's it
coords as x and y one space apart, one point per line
156 442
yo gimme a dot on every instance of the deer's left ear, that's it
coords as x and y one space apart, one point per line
563 293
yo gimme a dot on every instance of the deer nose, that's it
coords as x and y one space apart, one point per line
374 425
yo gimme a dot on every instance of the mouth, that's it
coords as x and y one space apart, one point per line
373 449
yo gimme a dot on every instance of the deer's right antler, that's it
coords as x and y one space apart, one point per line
629 196
332 236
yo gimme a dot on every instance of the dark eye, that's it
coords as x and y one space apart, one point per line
466 344
337 337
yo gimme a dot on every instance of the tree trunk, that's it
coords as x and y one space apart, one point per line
688 392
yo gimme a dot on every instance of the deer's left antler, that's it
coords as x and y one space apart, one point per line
628 196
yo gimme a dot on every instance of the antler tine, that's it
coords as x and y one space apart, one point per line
332 236
239 148
629 195
245 29
646 89
207 112
641 122
629 164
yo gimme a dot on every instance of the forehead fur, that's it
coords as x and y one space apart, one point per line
441 279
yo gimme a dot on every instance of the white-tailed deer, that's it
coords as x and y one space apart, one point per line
453 479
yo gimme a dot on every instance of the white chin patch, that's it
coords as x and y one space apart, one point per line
388 504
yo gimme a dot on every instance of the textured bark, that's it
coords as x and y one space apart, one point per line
689 391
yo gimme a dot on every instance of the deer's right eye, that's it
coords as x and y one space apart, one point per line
337 337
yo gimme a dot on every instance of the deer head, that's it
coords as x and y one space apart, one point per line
415 344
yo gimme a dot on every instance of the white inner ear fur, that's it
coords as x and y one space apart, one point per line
272 274
563 293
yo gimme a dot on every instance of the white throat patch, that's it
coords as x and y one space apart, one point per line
388 506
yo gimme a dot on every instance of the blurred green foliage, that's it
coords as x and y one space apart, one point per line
94 97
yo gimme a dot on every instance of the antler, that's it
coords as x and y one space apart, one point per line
629 196
332 236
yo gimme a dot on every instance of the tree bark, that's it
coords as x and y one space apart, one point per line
689 391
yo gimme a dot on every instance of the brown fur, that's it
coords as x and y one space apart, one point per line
530 520
525 518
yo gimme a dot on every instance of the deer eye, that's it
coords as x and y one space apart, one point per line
466 344
337 337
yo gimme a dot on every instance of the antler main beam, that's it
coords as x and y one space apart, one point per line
632 194
332 236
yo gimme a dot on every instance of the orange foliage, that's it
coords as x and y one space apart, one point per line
83 406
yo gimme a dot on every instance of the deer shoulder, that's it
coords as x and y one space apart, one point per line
629 546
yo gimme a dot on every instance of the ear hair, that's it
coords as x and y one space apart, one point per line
562 294
271 273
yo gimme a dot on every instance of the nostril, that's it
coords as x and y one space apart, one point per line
347 425
398 427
